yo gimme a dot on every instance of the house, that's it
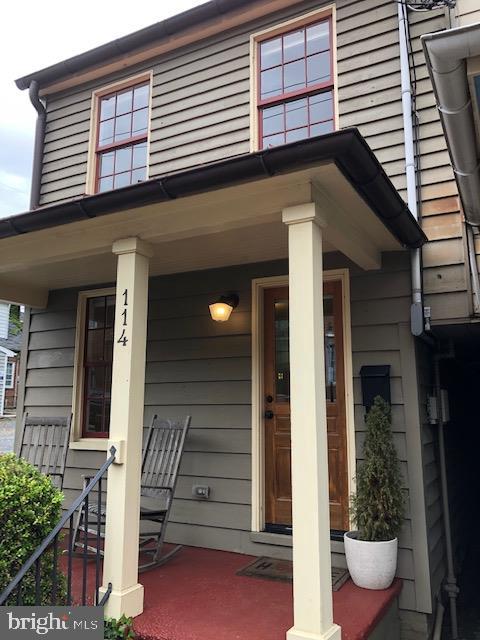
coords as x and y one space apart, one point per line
267 150
10 346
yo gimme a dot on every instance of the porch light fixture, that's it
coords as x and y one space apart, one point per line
223 307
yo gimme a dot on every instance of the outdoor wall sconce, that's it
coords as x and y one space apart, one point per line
223 307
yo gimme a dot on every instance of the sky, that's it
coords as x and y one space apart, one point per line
35 35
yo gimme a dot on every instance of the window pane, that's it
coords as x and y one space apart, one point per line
140 96
94 416
105 184
139 175
297 114
95 339
123 127
107 107
110 311
282 353
321 107
139 155
108 381
297 134
318 38
271 53
140 122
330 353
123 159
273 141
108 351
294 46
105 133
271 83
124 102
106 419
121 180
96 381
106 163
96 312
294 76
322 128
273 120
318 68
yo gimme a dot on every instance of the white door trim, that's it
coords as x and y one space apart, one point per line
258 450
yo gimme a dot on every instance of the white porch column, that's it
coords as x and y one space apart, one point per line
312 587
126 427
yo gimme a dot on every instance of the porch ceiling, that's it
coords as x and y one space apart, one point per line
231 225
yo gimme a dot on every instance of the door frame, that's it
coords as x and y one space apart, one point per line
258 445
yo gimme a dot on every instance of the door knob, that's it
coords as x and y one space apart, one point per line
268 415
269 398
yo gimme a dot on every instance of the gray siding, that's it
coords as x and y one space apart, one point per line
431 474
204 368
207 86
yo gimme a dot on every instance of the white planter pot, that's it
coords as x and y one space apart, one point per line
372 565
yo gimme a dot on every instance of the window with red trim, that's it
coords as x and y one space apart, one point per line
97 366
295 85
121 145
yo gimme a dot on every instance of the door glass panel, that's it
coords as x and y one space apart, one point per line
282 353
330 350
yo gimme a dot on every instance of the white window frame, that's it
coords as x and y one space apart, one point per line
146 76
77 441
12 384
300 21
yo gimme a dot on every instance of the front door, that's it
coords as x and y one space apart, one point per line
278 489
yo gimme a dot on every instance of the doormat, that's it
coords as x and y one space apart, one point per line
281 570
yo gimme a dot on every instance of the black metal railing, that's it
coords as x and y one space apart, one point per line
61 591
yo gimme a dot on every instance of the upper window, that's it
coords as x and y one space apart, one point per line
122 133
295 84
97 365
10 375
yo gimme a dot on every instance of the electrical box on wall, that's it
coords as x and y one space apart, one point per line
437 408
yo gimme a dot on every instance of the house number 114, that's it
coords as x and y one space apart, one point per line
123 338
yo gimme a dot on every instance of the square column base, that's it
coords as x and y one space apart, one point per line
334 633
128 602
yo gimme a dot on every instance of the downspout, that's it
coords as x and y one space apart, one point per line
451 582
416 308
38 146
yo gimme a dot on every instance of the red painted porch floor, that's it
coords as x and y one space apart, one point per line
198 596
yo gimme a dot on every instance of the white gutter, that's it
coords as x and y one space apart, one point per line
446 53
416 308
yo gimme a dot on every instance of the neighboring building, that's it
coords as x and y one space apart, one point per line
230 149
10 347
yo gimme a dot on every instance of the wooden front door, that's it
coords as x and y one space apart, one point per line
278 489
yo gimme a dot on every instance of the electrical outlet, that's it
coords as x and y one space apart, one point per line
201 491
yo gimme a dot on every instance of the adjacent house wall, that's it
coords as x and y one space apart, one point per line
466 12
207 85
201 367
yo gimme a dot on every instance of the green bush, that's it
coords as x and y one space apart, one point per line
121 629
30 507
378 505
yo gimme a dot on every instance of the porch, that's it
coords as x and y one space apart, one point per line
198 594
341 205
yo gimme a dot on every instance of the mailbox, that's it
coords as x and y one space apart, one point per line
375 382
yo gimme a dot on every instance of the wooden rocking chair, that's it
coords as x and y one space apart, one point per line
161 458
44 443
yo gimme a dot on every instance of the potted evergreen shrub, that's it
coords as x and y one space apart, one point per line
377 507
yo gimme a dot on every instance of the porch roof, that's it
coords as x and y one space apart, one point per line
347 149
233 207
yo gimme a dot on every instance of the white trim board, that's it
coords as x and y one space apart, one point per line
258 447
